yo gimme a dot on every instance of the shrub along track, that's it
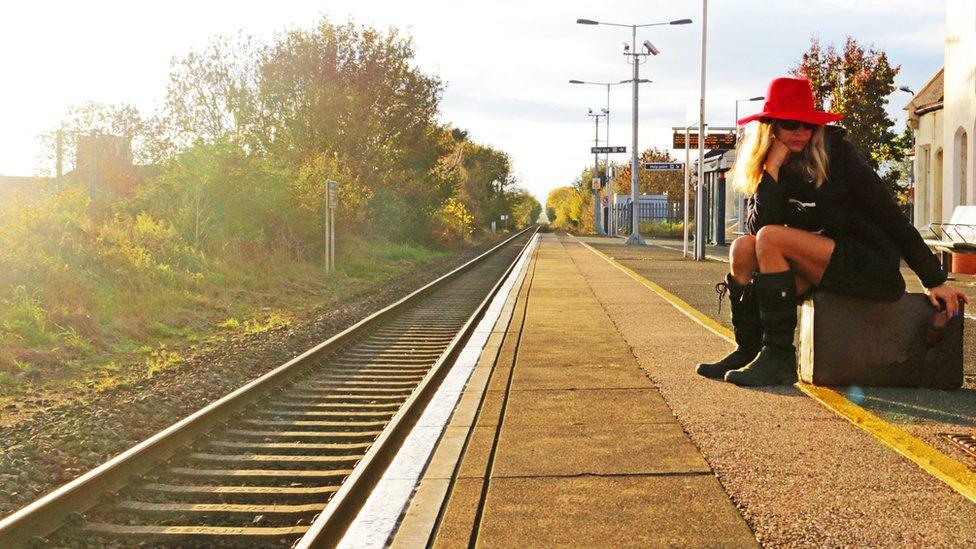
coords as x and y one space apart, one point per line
55 445
259 465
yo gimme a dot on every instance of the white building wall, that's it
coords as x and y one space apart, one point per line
959 123
928 188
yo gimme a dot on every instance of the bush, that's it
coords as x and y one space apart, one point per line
665 229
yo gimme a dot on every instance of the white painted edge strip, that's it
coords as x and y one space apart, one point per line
376 522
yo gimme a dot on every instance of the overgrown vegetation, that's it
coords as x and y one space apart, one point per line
218 225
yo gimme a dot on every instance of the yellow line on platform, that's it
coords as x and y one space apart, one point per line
953 473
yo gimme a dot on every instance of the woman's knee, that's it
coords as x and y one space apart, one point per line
769 239
742 257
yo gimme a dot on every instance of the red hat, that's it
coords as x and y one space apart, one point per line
792 99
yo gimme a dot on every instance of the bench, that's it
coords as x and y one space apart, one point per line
848 341
957 236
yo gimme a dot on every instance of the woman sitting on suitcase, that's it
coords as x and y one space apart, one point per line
818 217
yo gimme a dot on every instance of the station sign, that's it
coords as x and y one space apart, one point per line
712 141
333 194
604 150
664 166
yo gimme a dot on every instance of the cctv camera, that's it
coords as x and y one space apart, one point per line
649 48
589 111
626 47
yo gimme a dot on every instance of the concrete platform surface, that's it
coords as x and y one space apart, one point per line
594 431
573 445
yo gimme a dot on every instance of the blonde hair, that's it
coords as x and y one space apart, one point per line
754 146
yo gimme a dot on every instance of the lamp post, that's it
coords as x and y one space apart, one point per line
742 199
611 227
649 49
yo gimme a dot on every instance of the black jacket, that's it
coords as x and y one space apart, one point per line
853 201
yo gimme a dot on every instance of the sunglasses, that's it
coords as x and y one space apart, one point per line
793 125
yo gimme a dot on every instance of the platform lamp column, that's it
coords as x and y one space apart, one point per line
607 184
635 57
699 188
738 134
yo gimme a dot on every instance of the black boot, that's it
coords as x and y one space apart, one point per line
776 363
748 329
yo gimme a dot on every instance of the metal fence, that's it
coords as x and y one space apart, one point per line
656 211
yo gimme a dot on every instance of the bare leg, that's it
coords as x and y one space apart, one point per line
780 248
743 261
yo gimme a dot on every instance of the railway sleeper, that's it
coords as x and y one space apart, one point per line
324 398
280 436
218 535
234 494
353 390
303 461
336 406
378 369
347 426
377 415
335 448
374 382
264 477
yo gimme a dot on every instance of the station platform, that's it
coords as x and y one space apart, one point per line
584 424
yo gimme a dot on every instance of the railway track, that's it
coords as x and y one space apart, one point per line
289 458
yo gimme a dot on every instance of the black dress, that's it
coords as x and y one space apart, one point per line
854 208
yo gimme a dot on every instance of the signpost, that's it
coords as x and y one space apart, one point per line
605 150
331 203
664 166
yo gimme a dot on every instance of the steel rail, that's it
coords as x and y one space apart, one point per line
63 505
328 528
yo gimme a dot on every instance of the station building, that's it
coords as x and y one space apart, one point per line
943 116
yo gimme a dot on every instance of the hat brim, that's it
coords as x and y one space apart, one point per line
812 117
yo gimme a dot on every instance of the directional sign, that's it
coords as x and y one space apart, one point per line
712 140
333 189
664 166
602 150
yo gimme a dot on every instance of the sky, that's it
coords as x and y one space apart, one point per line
506 64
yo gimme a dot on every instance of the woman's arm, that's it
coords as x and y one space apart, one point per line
767 206
873 198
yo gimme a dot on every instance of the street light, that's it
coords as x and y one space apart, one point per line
611 228
631 51
742 199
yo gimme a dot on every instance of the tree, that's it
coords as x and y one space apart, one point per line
856 82
524 207
564 206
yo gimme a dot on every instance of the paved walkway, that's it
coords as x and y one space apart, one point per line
593 430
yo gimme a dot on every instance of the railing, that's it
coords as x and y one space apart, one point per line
656 211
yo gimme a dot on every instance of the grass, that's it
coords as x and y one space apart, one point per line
666 229
114 323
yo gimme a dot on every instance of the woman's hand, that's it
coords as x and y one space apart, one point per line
948 295
776 157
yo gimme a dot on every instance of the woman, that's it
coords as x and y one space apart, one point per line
818 217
